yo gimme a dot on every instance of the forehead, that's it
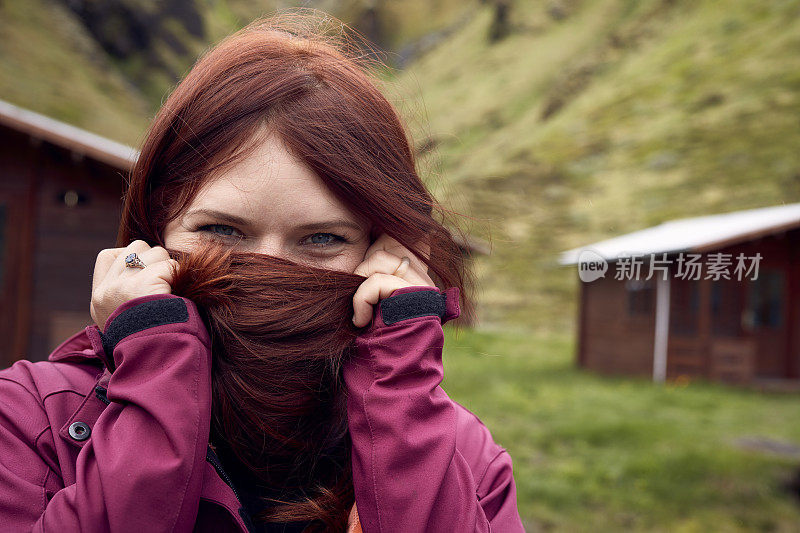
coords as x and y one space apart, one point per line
271 183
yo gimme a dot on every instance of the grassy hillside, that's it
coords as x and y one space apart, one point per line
107 66
601 118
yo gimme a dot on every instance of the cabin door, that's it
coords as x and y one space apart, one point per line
731 351
767 318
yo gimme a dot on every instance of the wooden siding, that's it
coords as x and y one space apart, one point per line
52 259
614 341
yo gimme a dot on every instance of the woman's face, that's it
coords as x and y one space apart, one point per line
271 203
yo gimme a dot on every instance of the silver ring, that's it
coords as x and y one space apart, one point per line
133 261
404 262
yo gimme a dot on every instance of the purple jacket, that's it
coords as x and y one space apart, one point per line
111 433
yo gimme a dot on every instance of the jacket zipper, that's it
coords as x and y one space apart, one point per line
212 458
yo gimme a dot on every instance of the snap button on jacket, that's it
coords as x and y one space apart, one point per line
111 432
79 431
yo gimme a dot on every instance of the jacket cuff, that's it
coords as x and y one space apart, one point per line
133 316
415 302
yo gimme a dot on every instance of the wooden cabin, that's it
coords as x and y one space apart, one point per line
655 312
60 196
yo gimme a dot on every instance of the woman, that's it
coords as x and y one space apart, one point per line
278 144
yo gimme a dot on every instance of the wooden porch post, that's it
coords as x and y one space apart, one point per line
661 329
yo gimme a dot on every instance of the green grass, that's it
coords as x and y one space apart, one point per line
623 454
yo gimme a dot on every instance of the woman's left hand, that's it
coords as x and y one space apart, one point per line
386 270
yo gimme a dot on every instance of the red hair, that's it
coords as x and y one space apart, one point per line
283 74
280 333
312 90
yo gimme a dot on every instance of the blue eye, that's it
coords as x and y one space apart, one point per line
324 239
219 229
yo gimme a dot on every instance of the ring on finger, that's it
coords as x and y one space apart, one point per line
133 261
401 268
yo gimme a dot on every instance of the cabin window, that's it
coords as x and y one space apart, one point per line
685 304
640 297
727 304
766 299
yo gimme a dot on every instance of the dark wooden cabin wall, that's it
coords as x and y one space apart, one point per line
67 241
17 170
689 328
728 341
793 297
776 345
616 342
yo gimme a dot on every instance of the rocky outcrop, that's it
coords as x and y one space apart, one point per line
150 32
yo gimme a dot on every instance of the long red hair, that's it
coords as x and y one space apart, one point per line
280 334
314 89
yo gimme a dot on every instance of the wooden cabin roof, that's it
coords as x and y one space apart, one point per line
67 136
697 234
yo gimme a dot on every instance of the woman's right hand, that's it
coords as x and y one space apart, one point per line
113 283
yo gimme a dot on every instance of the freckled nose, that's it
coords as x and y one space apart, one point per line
270 246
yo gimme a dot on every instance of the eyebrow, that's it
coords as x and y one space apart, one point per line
220 215
338 222
233 219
